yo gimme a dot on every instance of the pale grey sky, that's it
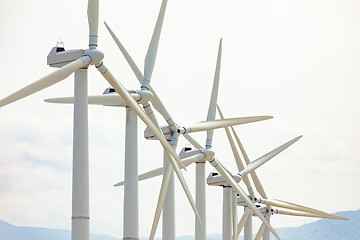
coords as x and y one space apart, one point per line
295 60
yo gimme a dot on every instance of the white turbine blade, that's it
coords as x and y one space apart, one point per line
242 194
296 207
144 176
262 228
213 99
155 101
261 160
314 210
291 206
260 232
306 214
161 200
63 100
46 81
137 109
152 50
127 56
253 174
184 186
220 123
93 17
238 161
105 99
159 171
243 220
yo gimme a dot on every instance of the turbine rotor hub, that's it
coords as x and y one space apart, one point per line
95 55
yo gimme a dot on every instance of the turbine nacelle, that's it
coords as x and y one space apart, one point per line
263 210
166 130
215 179
241 202
188 151
59 57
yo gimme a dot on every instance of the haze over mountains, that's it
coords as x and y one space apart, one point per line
319 230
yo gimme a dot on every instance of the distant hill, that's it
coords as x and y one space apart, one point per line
11 232
325 229
319 230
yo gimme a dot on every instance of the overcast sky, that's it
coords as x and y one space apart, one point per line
295 60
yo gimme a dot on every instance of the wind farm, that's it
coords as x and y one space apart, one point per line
80 214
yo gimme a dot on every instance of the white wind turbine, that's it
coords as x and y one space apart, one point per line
313 213
78 61
295 210
143 96
80 199
246 218
229 214
202 126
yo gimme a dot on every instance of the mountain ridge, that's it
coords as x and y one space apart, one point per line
318 230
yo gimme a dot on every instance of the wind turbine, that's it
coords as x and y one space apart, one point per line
268 211
215 180
131 219
296 210
78 63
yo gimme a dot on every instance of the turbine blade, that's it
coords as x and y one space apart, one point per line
261 160
161 200
152 50
220 123
235 152
155 101
253 174
144 176
185 187
291 206
260 232
213 99
262 228
159 171
93 18
241 193
307 214
243 220
105 99
46 81
162 195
